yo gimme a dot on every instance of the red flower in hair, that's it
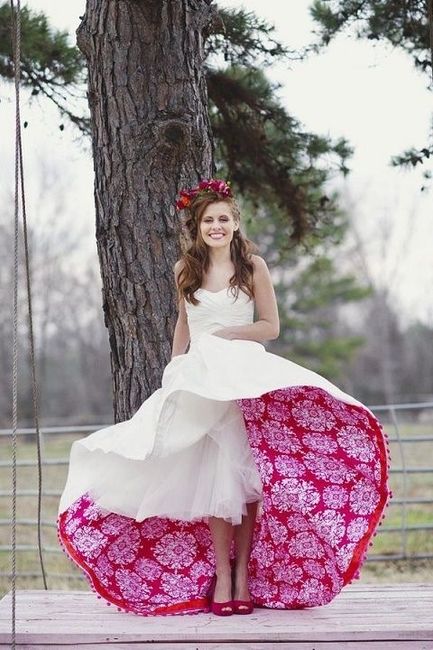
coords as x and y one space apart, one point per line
212 185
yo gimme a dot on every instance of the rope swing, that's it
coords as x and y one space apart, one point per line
20 193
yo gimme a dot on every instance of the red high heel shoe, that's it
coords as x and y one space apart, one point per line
220 609
242 606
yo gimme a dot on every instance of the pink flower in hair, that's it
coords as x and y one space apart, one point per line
206 185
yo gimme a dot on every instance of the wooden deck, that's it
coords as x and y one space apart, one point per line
365 617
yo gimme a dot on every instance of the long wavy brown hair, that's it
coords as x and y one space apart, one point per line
195 258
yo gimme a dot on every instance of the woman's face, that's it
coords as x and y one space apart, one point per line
217 225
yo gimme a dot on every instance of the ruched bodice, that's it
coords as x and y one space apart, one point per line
217 310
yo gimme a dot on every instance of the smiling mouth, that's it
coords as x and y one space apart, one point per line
216 235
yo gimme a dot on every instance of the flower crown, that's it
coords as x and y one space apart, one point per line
212 185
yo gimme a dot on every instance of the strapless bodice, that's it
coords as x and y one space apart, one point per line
217 310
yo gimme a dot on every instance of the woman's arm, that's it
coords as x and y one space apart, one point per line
267 326
181 334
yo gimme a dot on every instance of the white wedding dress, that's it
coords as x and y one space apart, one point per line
230 424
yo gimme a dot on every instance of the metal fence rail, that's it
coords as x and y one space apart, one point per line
391 411
401 498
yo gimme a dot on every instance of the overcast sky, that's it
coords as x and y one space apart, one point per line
368 93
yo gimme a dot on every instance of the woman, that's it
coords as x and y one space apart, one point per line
214 230
161 511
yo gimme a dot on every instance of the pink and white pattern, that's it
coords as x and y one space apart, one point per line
324 466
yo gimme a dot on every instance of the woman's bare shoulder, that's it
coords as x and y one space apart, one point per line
262 280
259 264
178 266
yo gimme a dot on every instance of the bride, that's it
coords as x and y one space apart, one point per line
245 478
214 228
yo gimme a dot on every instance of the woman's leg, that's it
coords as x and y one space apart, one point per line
222 535
243 536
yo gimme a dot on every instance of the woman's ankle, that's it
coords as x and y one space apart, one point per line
223 571
240 568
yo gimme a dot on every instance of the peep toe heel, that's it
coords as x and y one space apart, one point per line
219 609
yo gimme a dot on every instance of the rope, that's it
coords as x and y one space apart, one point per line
33 366
430 23
16 41
19 187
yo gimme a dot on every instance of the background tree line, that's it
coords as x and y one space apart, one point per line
365 345
281 172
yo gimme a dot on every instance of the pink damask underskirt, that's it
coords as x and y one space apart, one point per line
324 467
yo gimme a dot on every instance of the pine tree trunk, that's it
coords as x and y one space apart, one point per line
150 136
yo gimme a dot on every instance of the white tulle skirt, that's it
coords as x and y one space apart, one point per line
215 476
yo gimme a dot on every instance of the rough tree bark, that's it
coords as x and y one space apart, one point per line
150 136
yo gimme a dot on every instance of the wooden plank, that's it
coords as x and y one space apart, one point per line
344 645
383 614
